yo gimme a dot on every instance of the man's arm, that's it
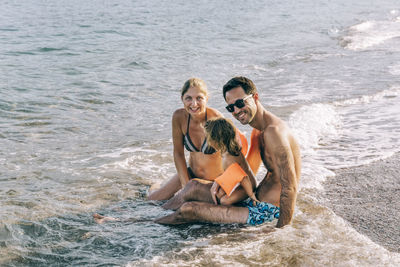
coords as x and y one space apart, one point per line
282 156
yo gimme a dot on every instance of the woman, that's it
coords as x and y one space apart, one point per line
188 132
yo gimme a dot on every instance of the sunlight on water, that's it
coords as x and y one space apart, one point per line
371 33
87 92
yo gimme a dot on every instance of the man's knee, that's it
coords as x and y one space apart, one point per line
187 210
191 188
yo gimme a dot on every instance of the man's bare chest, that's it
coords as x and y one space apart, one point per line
266 157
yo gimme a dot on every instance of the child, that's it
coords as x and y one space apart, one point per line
221 135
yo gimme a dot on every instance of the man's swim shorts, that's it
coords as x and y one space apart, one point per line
261 213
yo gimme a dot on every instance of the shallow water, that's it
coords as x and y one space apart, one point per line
87 91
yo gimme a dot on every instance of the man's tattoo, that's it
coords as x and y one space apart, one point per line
286 201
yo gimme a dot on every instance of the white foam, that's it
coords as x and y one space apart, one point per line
365 99
394 69
122 151
348 133
313 175
150 166
317 237
313 126
313 123
150 163
370 33
257 67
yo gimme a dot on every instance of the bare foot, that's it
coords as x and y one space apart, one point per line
154 187
102 219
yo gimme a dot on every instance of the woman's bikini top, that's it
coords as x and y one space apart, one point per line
205 148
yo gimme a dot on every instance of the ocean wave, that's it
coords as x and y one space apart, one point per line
365 99
394 69
370 33
346 133
317 237
312 123
314 126
151 163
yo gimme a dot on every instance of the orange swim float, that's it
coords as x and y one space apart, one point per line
234 174
231 178
243 140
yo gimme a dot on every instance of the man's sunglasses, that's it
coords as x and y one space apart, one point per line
239 103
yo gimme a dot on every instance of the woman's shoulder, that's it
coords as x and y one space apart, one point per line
179 116
179 113
213 113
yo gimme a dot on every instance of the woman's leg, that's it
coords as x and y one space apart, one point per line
167 190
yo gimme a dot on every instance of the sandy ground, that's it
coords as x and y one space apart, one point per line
369 198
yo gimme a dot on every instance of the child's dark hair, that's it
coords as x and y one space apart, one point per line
221 134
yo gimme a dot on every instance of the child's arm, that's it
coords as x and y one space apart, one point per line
248 188
216 193
229 159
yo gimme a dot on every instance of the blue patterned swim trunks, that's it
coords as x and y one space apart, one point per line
261 213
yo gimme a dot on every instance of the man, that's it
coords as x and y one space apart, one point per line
280 154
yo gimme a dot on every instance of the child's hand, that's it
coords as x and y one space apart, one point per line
255 200
214 191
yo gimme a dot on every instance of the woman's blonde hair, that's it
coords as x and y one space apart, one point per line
194 82
221 133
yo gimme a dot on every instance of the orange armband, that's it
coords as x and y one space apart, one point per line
243 140
231 178
254 155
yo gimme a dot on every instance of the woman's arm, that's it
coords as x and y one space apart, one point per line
179 153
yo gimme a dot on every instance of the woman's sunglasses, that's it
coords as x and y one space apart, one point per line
239 103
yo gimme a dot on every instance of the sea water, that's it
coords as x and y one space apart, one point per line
87 91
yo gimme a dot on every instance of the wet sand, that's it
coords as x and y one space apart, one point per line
369 198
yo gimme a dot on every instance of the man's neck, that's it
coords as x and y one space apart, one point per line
259 121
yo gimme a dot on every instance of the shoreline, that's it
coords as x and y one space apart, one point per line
368 197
